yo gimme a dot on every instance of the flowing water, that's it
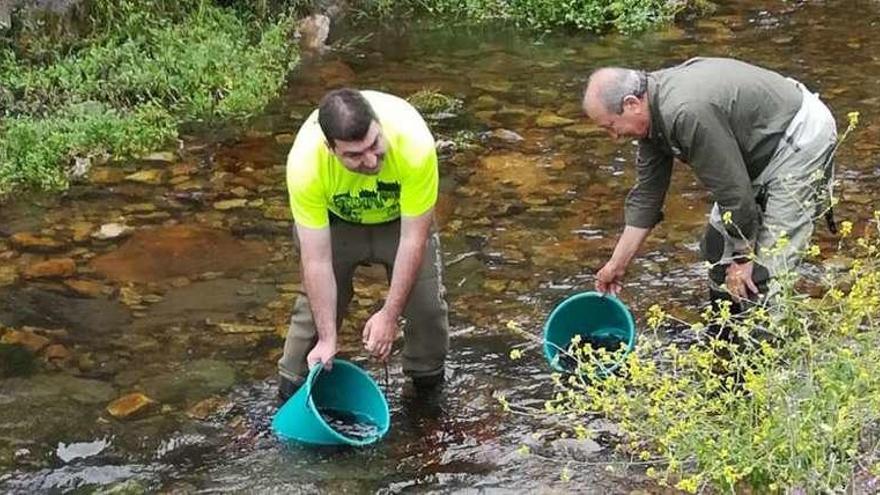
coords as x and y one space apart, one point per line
173 276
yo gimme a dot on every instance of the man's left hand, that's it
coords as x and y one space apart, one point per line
379 334
739 280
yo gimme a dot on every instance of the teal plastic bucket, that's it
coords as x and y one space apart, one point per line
344 391
593 316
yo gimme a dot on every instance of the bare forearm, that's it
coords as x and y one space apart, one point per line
406 270
414 233
320 284
628 245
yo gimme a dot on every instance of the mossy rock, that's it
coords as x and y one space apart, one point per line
16 360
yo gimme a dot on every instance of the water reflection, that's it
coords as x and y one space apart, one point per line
175 278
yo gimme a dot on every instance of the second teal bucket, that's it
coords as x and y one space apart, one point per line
311 416
596 318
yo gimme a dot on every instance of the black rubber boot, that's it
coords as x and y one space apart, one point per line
286 388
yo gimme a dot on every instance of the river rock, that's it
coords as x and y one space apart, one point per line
112 231
25 338
156 254
336 73
57 352
53 268
504 136
151 176
579 450
8 275
195 380
312 32
86 288
160 156
106 175
584 130
27 241
551 121
16 360
81 231
139 208
277 212
130 405
87 320
209 407
230 204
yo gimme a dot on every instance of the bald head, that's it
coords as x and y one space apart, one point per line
608 86
615 100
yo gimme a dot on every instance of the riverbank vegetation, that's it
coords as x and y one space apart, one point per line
599 16
127 79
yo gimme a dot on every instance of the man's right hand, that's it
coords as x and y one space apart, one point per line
323 352
610 278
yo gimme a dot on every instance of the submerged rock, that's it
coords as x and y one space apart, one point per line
53 268
25 338
85 319
192 381
28 241
130 405
152 255
16 360
112 231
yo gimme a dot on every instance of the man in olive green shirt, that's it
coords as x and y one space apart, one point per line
761 143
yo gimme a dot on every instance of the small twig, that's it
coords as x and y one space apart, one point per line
461 257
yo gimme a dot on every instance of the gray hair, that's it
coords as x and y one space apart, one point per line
616 83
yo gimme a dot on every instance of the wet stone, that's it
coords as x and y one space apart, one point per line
27 241
152 255
86 288
85 319
230 204
277 212
550 121
16 360
209 407
194 380
57 352
160 156
139 208
150 177
81 231
25 338
53 268
8 275
129 406
112 231
184 168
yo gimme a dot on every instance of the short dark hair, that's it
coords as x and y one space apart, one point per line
345 115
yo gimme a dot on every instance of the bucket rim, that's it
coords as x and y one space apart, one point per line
631 337
310 403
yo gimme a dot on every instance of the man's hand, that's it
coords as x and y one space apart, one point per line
609 278
323 352
379 334
739 280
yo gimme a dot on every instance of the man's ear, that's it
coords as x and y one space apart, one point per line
632 103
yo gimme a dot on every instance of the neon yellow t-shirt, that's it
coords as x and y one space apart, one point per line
317 182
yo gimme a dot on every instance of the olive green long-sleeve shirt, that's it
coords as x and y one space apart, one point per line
722 117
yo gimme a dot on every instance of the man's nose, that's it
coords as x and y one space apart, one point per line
370 160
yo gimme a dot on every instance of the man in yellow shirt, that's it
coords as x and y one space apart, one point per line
362 180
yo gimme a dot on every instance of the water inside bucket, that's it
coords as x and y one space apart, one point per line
609 339
349 424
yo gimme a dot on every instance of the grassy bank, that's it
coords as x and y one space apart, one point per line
597 16
126 83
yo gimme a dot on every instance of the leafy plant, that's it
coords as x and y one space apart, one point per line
143 70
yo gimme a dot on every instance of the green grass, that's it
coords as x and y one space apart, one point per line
137 76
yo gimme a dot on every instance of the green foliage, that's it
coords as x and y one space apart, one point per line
140 73
428 101
790 402
596 16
